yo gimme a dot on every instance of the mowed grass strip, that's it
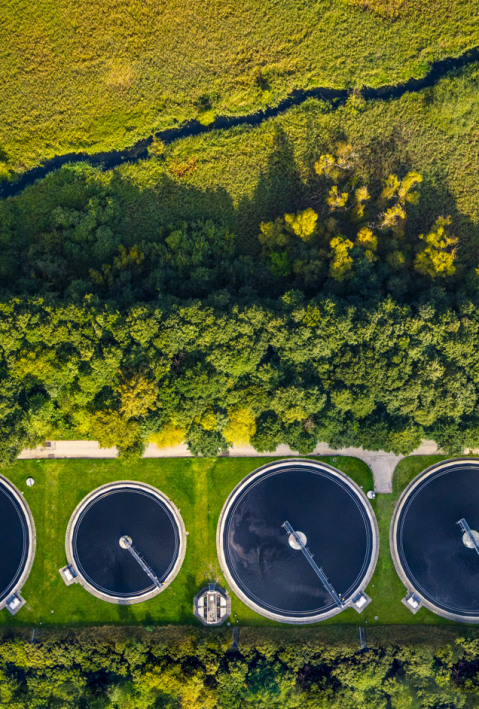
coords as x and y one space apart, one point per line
92 76
199 487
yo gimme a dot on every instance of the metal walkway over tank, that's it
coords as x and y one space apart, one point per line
126 543
467 530
319 571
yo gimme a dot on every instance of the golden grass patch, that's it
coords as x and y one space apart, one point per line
385 8
96 76
120 77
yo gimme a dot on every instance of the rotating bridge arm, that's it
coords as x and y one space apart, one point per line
320 573
467 530
126 543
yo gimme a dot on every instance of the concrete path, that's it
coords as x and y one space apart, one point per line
381 463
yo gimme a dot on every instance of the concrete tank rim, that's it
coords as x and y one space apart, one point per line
119 484
410 587
282 463
31 534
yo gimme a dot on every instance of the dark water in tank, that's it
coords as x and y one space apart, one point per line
134 513
430 543
14 541
260 559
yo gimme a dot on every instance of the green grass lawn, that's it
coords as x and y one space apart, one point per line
91 76
386 588
199 487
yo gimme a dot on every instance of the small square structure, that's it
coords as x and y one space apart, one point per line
212 605
68 574
14 603
412 602
360 601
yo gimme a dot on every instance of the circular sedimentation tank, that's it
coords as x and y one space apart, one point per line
265 565
112 521
433 556
17 532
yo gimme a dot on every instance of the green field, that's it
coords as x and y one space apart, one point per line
89 76
243 176
199 487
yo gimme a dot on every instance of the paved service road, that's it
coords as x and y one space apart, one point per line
381 463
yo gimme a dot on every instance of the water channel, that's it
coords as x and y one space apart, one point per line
139 151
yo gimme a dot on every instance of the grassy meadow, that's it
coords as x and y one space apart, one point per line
246 175
199 487
89 76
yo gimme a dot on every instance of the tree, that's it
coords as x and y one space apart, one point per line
111 429
341 262
303 224
170 436
138 394
240 428
439 252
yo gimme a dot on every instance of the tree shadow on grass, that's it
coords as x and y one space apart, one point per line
147 214
279 190
125 614
46 252
189 590
394 153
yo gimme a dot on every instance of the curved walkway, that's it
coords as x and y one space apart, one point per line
382 464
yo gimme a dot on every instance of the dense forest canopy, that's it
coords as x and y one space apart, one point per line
314 279
298 371
199 673
353 242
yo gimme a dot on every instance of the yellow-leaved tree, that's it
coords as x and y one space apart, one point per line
110 429
240 428
362 195
341 262
173 434
138 394
401 191
303 224
207 420
337 199
336 168
439 253
368 241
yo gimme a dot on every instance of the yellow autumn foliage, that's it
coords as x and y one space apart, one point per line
362 195
367 239
341 262
208 421
337 199
170 436
110 429
240 427
439 254
392 216
303 224
138 395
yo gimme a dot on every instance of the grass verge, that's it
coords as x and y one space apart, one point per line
199 487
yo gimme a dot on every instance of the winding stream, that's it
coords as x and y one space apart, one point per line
139 151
